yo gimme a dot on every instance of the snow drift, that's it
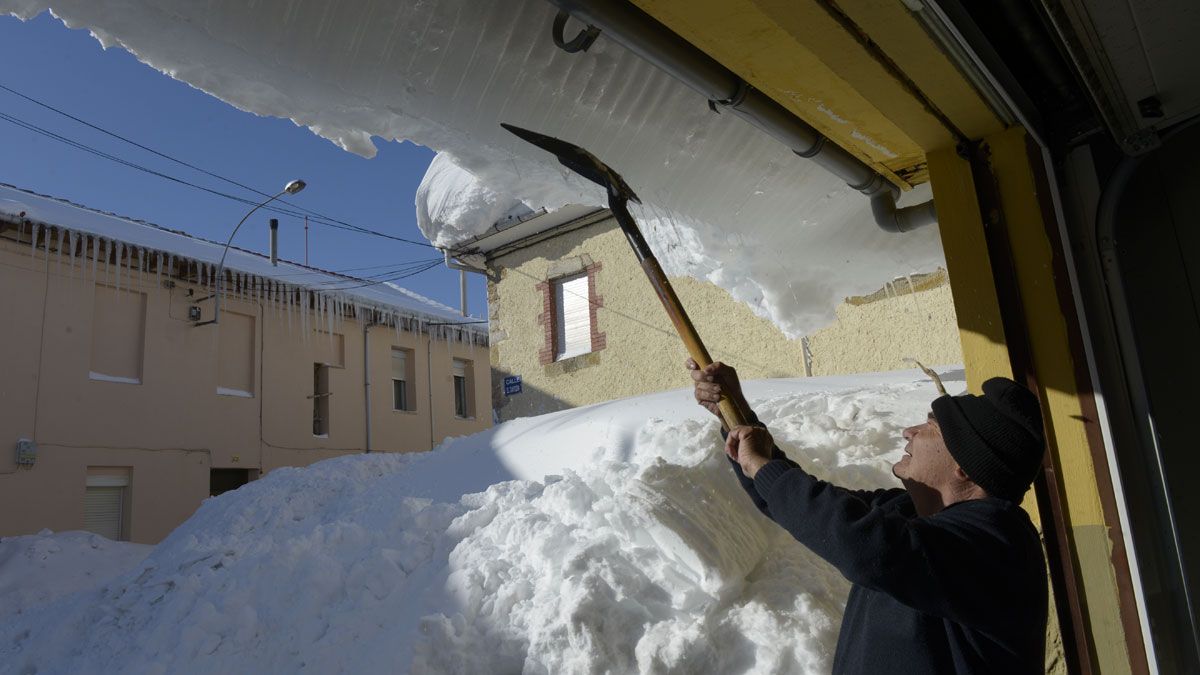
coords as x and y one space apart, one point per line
612 538
780 233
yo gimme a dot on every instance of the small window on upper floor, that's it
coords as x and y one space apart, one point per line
320 399
464 401
402 379
572 317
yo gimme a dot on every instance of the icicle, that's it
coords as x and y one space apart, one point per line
305 298
70 238
46 248
141 265
62 235
34 233
328 319
104 259
158 263
120 248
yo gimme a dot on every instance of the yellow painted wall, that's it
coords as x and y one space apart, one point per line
173 427
883 333
643 354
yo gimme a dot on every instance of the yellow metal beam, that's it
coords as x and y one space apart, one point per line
1050 346
1047 340
815 58
980 325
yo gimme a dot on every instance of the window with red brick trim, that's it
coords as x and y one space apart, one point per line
553 292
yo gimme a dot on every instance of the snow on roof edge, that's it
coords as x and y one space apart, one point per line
19 206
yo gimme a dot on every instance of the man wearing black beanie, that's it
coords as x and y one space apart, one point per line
947 574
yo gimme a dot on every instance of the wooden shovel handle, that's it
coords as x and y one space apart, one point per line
730 412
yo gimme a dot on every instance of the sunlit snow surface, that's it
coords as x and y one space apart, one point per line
611 538
733 205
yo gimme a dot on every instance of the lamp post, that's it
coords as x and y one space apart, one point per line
289 189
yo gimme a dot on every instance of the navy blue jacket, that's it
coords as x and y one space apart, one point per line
961 591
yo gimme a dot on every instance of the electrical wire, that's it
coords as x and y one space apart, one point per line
313 216
316 214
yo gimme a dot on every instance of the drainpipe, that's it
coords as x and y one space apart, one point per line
640 33
367 382
429 379
455 264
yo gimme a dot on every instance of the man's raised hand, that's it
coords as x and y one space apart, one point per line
714 381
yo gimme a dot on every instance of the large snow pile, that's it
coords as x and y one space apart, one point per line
612 538
39 568
779 232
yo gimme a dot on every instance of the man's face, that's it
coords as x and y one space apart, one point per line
926 460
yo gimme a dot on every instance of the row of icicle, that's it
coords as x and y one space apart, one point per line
325 309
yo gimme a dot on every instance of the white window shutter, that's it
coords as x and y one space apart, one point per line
399 364
103 508
573 320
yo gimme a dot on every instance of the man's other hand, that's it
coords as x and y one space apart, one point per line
750 447
713 382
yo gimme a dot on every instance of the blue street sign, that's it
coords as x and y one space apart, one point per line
512 385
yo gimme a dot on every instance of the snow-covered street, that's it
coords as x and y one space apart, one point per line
611 538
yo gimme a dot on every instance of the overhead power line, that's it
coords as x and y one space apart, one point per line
287 208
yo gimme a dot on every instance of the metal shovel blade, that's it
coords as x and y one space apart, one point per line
578 160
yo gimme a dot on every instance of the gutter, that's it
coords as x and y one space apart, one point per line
640 33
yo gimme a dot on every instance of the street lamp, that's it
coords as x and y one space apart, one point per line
289 189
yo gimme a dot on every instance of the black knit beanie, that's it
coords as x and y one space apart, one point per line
996 438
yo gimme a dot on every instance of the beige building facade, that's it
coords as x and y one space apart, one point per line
539 275
126 409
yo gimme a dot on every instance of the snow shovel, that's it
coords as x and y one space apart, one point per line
620 194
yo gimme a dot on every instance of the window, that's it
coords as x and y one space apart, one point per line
464 403
106 502
235 355
402 363
118 330
320 399
572 317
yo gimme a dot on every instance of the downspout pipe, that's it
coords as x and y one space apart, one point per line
643 35
367 382
452 263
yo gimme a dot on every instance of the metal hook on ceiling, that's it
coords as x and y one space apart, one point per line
580 42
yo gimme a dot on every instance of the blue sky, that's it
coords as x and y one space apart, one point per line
67 69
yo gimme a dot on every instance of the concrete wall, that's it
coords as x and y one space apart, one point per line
173 427
642 353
